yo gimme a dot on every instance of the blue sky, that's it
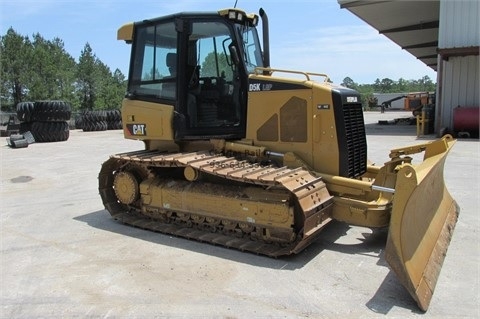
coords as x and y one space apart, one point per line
306 35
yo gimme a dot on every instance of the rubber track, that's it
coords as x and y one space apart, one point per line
309 190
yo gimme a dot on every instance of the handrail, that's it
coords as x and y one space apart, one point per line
262 70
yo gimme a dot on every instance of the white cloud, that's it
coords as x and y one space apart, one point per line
352 38
354 50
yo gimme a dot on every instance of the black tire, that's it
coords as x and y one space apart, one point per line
89 116
79 122
110 125
118 115
115 115
51 111
91 126
50 131
114 125
110 115
102 115
95 116
25 111
87 125
102 125
25 127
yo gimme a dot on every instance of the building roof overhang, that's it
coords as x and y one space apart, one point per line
413 25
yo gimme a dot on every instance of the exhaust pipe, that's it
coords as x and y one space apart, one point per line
266 39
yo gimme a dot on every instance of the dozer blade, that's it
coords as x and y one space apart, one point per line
423 218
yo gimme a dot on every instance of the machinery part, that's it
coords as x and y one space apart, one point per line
388 103
265 210
126 187
423 218
191 174
208 173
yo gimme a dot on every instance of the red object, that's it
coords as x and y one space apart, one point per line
465 119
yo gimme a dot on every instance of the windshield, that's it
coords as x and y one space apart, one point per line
252 52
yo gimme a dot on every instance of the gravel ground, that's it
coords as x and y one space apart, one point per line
62 255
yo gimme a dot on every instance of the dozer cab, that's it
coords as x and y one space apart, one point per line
246 156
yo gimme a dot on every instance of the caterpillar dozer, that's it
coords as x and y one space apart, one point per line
240 154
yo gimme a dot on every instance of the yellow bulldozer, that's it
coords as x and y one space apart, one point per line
246 156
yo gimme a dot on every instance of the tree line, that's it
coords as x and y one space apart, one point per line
386 85
34 69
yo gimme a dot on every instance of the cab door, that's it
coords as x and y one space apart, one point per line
210 85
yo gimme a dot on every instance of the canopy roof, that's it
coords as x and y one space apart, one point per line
413 25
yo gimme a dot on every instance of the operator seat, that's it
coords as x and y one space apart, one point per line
172 63
169 87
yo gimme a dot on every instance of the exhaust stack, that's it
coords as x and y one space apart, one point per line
266 39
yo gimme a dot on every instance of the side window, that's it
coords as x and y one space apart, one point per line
251 45
155 64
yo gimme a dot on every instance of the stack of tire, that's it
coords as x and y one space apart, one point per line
95 120
114 120
46 120
78 121
101 120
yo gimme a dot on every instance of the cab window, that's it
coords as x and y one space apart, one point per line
153 71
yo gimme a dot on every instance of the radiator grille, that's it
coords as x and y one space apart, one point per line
356 142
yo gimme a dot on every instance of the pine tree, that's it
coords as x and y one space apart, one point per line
15 67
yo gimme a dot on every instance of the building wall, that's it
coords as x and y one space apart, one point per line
461 86
458 76
459 24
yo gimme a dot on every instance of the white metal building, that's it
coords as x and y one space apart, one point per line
444 34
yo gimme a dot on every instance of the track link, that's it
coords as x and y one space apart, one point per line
309 190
